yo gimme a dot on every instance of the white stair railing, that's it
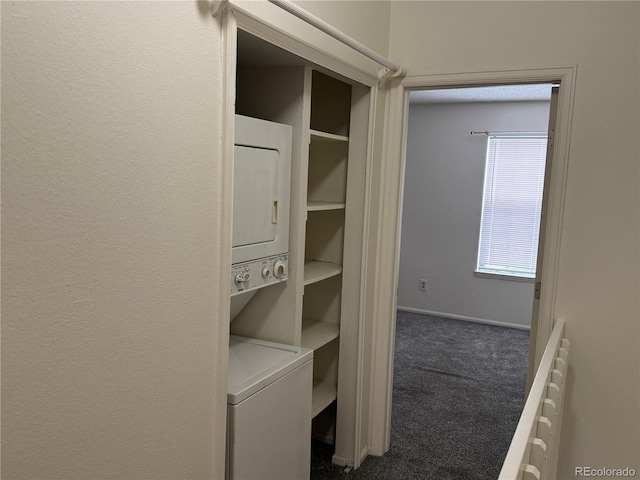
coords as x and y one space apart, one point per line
533 454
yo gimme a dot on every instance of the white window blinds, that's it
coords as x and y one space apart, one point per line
512 205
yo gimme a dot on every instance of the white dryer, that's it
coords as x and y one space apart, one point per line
261 196
269 410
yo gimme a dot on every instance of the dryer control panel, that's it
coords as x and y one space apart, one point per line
259 273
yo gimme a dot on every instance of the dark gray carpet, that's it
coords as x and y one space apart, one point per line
458 394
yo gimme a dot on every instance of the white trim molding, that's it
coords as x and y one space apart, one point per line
389 220
228 37
233 18
384 270
465 318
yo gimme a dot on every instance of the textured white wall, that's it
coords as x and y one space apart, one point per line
110 169
599 275
368 22
111 204
442 206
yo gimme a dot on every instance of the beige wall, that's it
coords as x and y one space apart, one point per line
442 211
110 168
367 22
110 197
598 278
110 208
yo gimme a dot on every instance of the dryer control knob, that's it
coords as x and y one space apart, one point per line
242 278
266 271
279 269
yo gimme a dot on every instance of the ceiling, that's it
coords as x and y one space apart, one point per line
505 93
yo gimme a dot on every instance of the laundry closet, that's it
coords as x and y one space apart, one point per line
317 303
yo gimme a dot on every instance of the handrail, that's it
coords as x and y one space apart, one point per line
534 448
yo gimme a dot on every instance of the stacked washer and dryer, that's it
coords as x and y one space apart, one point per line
269 384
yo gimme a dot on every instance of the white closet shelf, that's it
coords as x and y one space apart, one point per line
315 271
315 334
323 394
316 206
317 135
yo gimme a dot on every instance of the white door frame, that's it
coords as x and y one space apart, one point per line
233 17
388 233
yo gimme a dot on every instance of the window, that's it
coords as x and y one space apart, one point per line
512 204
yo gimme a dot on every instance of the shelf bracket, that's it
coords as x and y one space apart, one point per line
217 7
385 74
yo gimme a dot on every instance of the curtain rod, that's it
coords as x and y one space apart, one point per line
320 24
390 70
485 132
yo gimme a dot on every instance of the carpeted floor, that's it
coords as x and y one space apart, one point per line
457 397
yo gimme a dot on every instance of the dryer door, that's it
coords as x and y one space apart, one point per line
255 196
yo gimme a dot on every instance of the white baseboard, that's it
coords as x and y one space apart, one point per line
364 453
464 317
339 460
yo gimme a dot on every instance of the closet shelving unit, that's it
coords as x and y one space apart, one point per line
316 270
319 306
324 238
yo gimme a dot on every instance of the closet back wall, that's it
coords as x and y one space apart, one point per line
442 208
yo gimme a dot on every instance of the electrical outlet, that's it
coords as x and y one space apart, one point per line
422 285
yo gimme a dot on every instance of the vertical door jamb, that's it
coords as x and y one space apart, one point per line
385 268
386 264
535 312
229 54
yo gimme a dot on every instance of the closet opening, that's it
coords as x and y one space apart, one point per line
318 307
474 210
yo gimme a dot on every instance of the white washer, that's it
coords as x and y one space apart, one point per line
269 410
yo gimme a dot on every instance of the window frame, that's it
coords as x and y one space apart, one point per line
506 274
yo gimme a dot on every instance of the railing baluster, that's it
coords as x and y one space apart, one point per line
533 452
